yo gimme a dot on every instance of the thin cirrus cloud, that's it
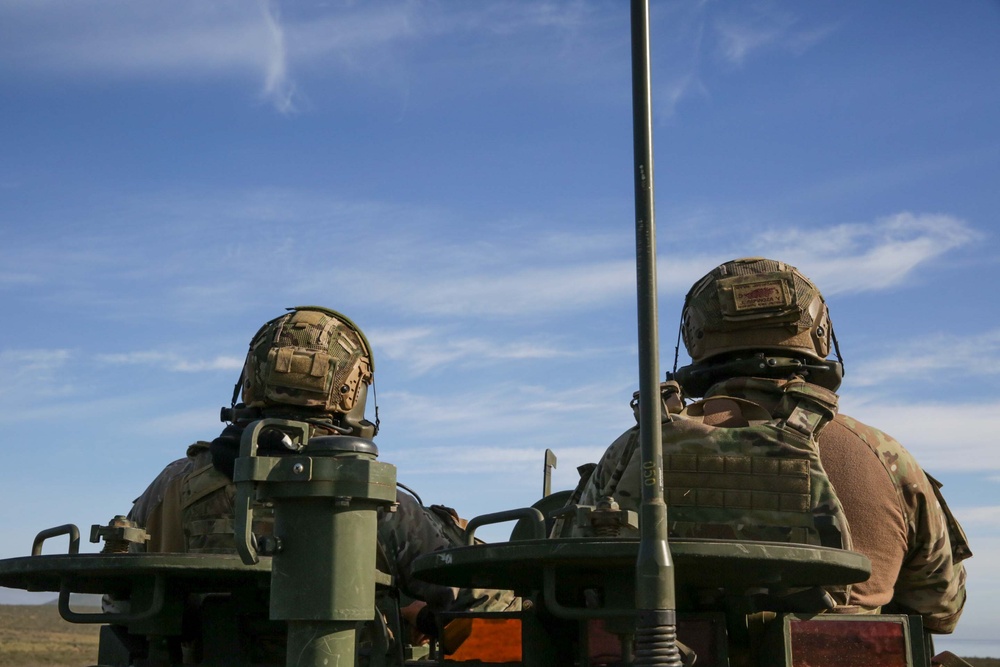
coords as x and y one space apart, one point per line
483 460
192 40
518 292
118 38
935 431
988 516
846 258
501 408
172 362
188 39
861 257
182 423
737 40
425 349
741 33
278 85
937 356
530 274
185 40
33 373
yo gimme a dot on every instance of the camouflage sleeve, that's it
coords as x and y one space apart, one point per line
197 456
153 495
413 530
931 579
611 466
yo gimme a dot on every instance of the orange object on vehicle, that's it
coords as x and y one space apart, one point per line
490 641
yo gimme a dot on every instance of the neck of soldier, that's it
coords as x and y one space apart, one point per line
765 392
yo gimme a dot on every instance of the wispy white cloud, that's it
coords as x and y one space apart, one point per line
752 28
183 41
122 38
942 436
976 517
738 39
939 355
278 86
860 257
423 349
842 259
801 41
520 291
34 373
515 459
172 361
205 421
682 86
499 409
17 279
698 34
191 40
494 273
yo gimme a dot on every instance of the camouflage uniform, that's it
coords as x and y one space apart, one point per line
207 506
311 365
763 481
147 508
193 512
896 514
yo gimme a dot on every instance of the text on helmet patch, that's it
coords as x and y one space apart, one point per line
757 295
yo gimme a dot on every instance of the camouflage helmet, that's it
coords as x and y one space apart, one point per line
310 357
755 304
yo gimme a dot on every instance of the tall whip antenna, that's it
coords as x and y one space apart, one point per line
656 622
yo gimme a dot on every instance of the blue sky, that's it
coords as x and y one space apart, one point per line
456 177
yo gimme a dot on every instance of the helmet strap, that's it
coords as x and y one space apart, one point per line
239 385
836 347
375 400
677 345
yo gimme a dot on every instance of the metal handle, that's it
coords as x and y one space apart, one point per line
246 545
155 606
535 519
67 529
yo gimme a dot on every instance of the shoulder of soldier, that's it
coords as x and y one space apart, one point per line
409 511
413 529
612 455
200 483
898 462
171 470
153 495
614 450
195 458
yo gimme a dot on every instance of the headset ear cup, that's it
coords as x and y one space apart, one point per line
831 377
694 379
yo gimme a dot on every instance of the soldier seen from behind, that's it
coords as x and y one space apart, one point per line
310 365
763 455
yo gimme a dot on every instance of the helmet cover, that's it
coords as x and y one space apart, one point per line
310 357
755 304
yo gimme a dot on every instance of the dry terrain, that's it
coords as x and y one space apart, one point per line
35 636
